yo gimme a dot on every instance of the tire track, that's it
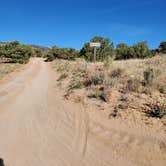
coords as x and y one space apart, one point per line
125 144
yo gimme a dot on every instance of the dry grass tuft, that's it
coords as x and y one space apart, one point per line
6 68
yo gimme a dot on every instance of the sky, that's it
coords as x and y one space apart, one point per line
71 23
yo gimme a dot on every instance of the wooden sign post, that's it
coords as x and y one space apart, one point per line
95 46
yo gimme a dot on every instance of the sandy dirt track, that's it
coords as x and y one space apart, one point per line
39 128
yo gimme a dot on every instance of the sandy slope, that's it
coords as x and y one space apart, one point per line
39 128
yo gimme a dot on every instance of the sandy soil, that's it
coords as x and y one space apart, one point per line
39 128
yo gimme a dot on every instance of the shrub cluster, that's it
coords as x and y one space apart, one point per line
162 48
150 76
157 111
61 53
149 82
106 53
106 50
139 50
134 84
14 52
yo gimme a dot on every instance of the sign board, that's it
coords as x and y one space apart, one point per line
93 44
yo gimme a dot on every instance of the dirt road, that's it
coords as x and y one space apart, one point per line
39 128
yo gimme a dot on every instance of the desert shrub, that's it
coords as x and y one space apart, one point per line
16 52
49 57
108 62
102 94
106 94
80 59
150 76
62 76
79 72
162 47
63 67
157 111
61 53
38 52
162 88
96 79
117 72
139 50
75 84
134 84
122 51
95 94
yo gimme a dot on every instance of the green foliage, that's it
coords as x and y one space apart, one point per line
134 84
61 53
162 47
103 94
108 61
96 94
75 84
139 50
157 111
105 53
150 76
117 72
106 49
62 76
122 51
162 88
16 52
50 56
38 52
96 79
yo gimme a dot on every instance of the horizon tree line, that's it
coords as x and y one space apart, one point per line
16 52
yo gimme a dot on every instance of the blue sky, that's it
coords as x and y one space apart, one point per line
72 23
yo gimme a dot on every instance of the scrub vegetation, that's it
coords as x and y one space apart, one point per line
15 52
126 88
107 52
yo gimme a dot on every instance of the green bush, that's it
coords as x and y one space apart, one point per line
134 84
75 84
49 57
162 88
61 53
106 49
96 94
162 47
38 52
108 62
103 94
150 76
16 52
122 51
96 79
117 72
157 111
139 50
62 76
